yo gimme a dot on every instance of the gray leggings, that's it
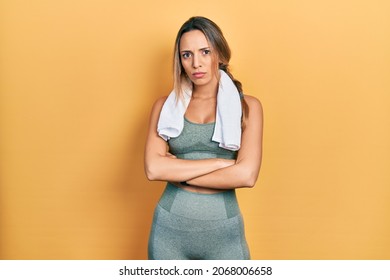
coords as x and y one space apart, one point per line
189 225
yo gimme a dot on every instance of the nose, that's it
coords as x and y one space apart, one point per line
196 61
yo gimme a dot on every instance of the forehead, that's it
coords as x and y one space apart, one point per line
193 40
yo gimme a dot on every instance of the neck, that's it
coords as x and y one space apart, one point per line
206 91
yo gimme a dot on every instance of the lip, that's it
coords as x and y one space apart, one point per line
198 75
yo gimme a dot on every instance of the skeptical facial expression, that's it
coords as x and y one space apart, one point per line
197 58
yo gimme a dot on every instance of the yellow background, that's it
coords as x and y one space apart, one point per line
78 79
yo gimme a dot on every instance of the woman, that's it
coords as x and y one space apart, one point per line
205 140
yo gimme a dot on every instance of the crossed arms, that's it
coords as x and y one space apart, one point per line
213 173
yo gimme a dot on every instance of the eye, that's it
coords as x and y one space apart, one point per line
206 51
186 55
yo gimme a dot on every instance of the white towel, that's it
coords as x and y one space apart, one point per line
227 131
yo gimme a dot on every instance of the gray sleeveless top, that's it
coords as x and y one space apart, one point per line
195 142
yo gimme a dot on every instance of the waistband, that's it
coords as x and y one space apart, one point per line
216 206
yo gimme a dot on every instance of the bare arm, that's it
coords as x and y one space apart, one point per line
245 172
161 166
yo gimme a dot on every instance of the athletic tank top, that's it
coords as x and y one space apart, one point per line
195 142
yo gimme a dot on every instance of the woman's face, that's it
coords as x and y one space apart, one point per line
197 59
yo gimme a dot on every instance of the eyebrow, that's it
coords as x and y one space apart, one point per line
201 49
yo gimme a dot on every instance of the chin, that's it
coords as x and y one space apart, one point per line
200 83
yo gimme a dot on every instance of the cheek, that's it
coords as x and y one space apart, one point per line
186 66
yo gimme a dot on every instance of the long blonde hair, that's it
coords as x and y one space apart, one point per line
220 48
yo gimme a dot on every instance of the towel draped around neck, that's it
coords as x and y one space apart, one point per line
227 131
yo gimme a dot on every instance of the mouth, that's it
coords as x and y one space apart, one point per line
198 75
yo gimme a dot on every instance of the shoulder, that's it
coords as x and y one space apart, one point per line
254 105
253 114
160 101
252 101
158 104
156 109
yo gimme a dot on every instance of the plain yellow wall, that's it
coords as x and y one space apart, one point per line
78 79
